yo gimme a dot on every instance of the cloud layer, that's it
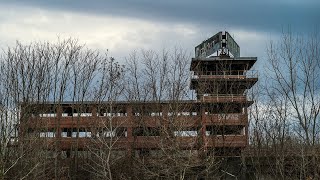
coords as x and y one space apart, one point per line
259 15
124 26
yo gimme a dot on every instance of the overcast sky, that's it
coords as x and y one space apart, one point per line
127 25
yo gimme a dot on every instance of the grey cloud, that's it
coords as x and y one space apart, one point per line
267 16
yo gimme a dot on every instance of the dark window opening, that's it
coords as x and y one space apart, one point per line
30 130
121 132
224 130
143 152
146 131
69 111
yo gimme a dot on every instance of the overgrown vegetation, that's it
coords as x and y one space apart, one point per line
284 121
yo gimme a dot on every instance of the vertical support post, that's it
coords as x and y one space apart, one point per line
94 111
203 127
246 131
59 116
165 119
130 125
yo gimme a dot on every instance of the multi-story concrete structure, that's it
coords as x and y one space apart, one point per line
216 121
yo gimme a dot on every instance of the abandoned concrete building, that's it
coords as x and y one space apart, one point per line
216 121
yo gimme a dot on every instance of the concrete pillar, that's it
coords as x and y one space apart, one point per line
58 119
129 130
94 110
165 119
203 127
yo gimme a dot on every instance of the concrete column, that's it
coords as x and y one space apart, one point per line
203 126
58 119
94 110
246 131
129 130
165 119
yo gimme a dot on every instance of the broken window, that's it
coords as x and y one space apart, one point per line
73 132
186 132
116 132
49 133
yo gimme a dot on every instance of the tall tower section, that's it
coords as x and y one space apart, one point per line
221 79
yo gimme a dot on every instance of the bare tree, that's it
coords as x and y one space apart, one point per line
107 130
35 75
286 120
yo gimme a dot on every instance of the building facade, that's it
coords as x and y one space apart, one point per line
216 121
